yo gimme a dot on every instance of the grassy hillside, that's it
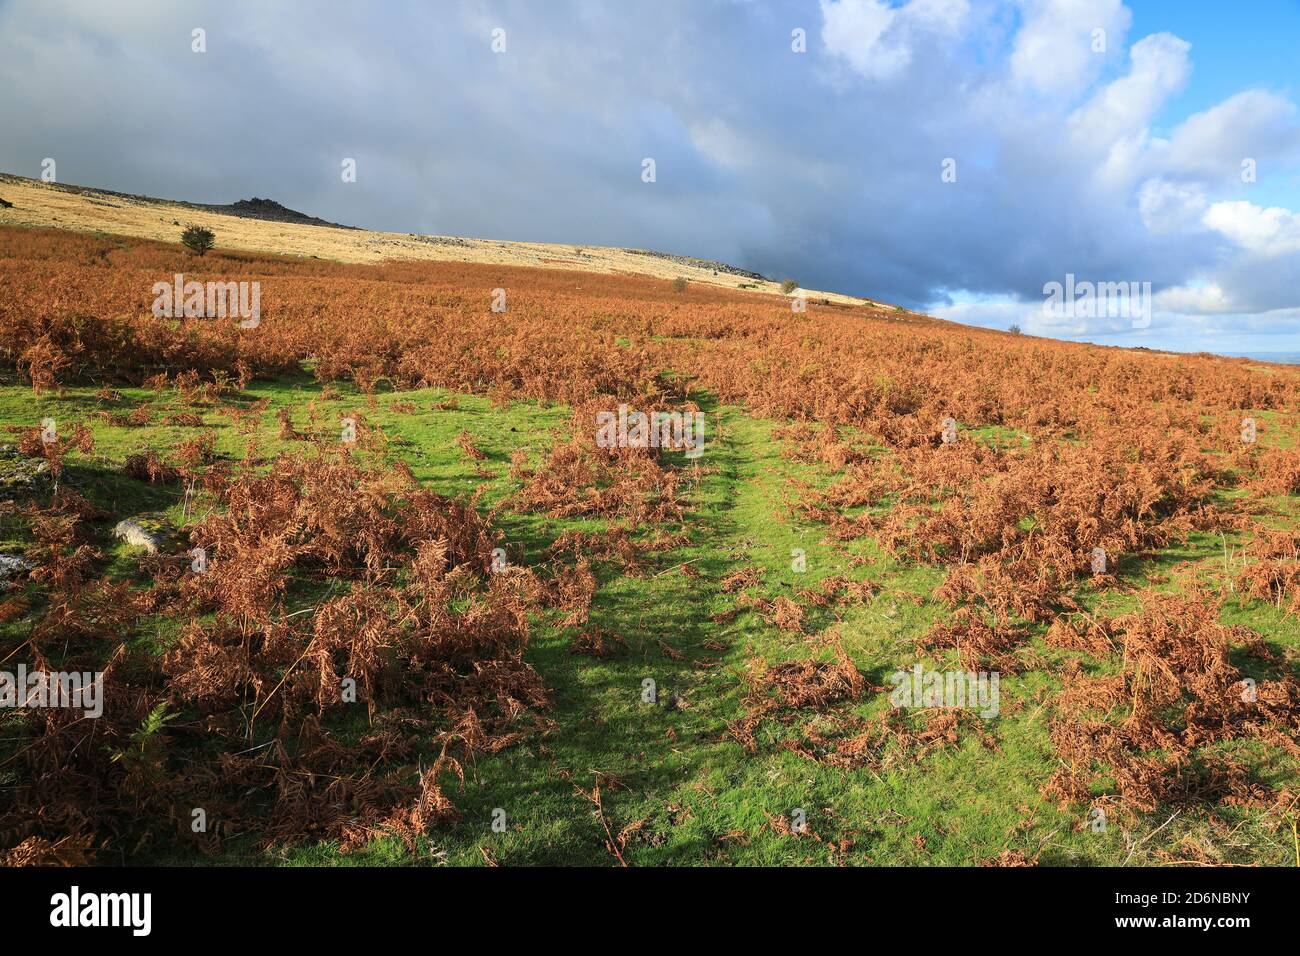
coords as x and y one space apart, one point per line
63 206
828 537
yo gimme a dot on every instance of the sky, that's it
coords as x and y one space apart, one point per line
959 157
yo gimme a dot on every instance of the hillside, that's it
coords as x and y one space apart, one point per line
389 593
261 225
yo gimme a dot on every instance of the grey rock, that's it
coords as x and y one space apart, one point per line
19 473
136 535
12 565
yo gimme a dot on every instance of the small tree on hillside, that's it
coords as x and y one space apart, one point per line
198 239
788 286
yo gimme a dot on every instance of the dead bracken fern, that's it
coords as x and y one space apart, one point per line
410 628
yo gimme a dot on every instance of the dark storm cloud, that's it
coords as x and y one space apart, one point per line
824 166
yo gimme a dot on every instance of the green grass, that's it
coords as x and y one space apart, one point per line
687 790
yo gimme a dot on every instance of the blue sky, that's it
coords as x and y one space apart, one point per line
1234 47
1113 160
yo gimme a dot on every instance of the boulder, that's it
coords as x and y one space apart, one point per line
12 565
136 535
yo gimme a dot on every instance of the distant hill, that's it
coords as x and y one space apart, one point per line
264 225
268 210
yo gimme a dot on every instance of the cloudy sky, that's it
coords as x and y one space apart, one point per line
949 155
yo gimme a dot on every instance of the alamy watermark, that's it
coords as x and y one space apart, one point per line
673 431
213 300
953 690
75 908
1094 300
75 690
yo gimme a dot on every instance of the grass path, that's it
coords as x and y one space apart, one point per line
675 788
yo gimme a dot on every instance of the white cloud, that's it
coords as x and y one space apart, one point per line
855 30
876 39
1123 109
1195 299
940 16
1254 124
1171 208
1272 231
1053 51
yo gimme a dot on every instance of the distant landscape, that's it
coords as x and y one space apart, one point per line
589 435
389 568
1280 358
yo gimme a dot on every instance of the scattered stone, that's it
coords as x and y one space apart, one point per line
439 240
18 473
136 535
12 565
709 264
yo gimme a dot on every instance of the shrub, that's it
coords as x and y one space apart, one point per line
788 286
679 284
198 239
